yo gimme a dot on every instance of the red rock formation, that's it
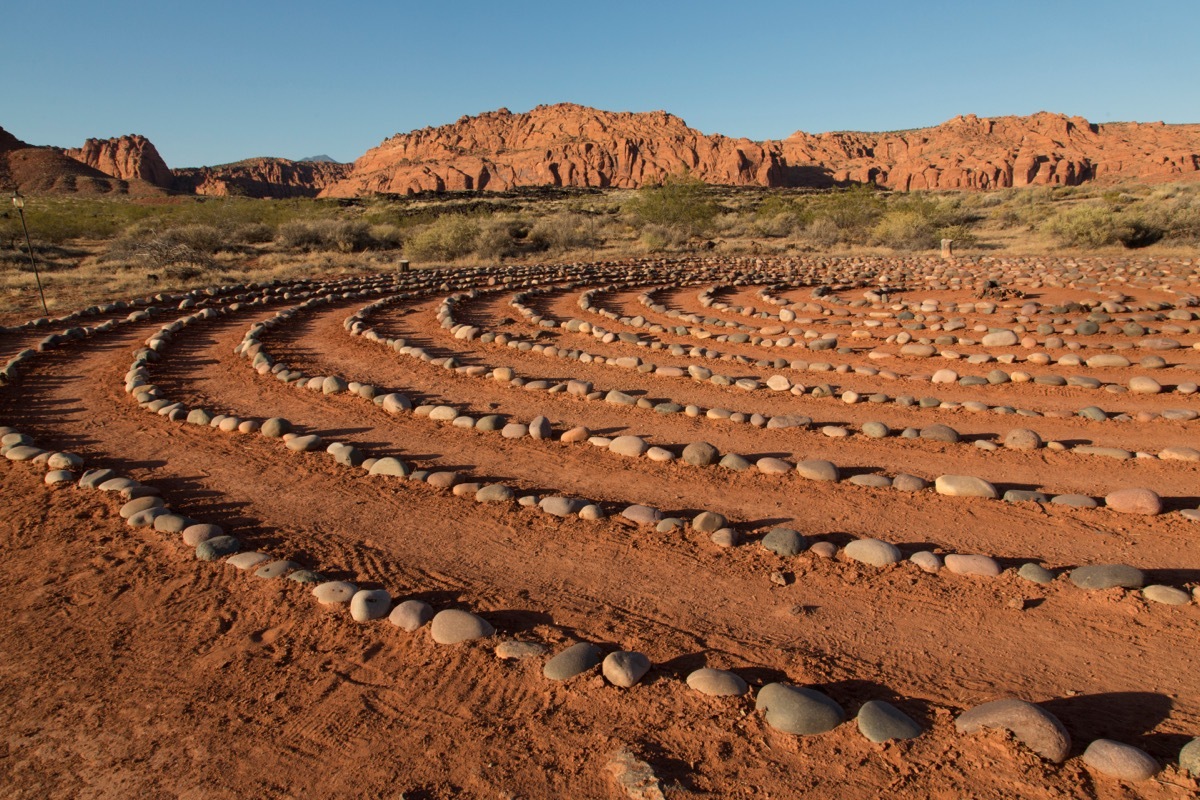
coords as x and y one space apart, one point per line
47 170
130 157
261 177
570 145
561 145
973 153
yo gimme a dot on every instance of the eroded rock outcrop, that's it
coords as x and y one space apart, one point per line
131 157
48 170
560 145
571 145
261 177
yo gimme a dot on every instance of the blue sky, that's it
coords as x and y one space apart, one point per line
212 82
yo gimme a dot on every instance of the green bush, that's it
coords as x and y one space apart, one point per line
679 201
904 229
660 238
563 231
447 238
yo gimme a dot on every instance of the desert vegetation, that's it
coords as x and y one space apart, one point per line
175 242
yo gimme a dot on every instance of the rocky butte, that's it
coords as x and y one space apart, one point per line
261 177
568 145
126 157
49 170
571 145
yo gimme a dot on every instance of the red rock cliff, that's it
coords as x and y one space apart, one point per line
560 145
129 158
261 177
570 145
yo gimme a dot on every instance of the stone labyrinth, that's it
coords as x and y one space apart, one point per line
891 499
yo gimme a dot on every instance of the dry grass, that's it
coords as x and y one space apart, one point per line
90 249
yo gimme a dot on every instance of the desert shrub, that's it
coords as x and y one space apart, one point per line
679 201
498 239
447 238
298 235
347 236
563 231
904 229
200 238
252 233
386 237
776 226
660 238
1084 226
1097 226
822 232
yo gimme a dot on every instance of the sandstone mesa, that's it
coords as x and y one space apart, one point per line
567 145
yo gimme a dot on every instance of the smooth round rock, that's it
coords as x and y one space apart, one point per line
927 560
141 504
1122 761
642 515
1167 595
940 433
1097 577
817 469
334 593
784 542
708 521
369 604
726 537
1189 758
798 710
700 454
513 650
1036 573
1022 439
411 615
909 483
1033 726
200 532
216 547
717 682
495 493
59 476
276 569
452 626
624 668
1074 501
388 465
631 446
879 722
982 566
247 560
576 659
875 430
1134 501
965 486
874 552
559 506
275 427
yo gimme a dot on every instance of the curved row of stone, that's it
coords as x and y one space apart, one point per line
793 709
801 710
1028 439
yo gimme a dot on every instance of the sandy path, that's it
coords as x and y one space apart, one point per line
260 676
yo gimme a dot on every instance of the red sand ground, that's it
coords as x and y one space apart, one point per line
128 668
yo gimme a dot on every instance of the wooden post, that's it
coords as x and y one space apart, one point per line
947 248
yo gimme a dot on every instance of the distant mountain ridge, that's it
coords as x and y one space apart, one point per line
570 145
567 145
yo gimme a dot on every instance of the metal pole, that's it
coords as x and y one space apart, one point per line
32 263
